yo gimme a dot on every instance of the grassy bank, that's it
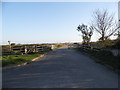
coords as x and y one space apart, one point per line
104 57
19 59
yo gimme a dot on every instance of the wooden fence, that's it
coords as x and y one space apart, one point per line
27 49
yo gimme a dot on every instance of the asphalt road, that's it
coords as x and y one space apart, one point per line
63 68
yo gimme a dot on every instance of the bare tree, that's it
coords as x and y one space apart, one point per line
104 24
87 32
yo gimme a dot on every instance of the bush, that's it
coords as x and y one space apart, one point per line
111 44
58 46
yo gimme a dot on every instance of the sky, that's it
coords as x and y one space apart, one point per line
49 22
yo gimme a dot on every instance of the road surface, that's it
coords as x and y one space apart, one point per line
63 68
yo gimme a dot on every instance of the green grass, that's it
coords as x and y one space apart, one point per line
104 57
19 59
58 46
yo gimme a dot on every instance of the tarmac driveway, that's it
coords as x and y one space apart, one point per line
63 68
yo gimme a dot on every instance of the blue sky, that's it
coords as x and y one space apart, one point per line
45 22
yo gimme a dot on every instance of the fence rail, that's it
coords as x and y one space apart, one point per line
25 49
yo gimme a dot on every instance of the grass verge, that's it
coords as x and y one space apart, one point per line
19 59
104 57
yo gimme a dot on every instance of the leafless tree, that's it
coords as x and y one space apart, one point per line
87 32
104 24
